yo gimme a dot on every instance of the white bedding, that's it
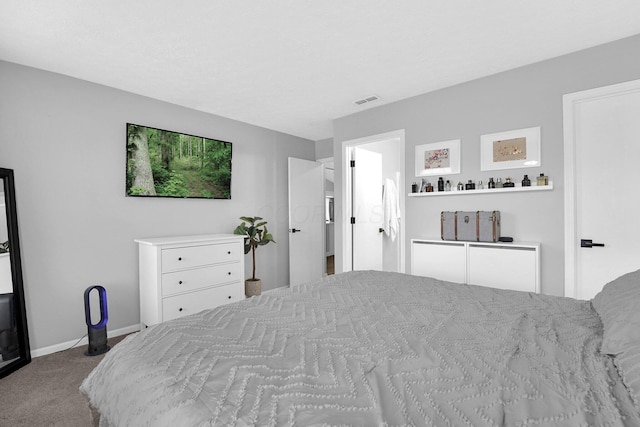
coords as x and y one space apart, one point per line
368 348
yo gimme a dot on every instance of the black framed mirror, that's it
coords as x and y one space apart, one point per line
14 337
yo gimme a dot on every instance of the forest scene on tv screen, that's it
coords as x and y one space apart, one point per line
161 163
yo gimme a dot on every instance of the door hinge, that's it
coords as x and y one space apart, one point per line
353 220
353 163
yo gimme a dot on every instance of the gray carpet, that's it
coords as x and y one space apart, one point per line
45 392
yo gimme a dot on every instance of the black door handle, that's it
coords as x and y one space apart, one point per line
588 243
294 230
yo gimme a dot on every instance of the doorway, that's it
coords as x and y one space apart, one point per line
390 147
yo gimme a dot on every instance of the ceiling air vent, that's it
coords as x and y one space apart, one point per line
367 99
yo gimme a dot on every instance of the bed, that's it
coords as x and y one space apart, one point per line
374 348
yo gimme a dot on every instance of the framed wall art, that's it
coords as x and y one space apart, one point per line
510 150
438 158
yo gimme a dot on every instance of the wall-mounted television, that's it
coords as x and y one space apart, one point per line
162 163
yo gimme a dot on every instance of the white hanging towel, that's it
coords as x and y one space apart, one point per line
391 206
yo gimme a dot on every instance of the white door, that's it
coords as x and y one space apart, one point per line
367 210
306 221
602 154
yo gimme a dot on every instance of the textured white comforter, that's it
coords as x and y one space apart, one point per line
367 349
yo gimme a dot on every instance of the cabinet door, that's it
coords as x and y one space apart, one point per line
503 267
443 261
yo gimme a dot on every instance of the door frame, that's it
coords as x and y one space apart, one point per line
569 102
347 196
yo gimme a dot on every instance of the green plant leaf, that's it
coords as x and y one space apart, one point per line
251 231
255 232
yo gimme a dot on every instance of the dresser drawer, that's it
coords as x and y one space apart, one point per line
195 256
194 302
188 280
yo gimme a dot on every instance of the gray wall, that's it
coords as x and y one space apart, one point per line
65 139
524 97
324 148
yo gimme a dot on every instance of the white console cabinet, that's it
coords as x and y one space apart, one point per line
498 265
183 275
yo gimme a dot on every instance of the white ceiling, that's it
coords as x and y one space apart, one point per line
295 65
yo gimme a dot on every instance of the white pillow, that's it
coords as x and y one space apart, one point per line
618 305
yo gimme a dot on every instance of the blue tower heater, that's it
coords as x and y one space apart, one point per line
97 333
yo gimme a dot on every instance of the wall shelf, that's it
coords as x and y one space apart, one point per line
517 189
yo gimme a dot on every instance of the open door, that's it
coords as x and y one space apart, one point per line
306 221
366 212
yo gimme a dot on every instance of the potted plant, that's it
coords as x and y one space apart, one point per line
255 231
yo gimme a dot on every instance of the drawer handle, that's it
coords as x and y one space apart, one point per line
179 258
180 282
180 309
229 296
228 252
229 273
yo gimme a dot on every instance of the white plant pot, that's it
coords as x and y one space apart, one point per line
252 287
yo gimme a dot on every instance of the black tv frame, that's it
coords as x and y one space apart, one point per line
163 174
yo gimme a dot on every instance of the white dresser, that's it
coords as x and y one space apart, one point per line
498 265
183 275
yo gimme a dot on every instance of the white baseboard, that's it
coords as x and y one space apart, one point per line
84 341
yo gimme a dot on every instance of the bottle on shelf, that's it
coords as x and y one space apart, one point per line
440 184
542 180
499 183
526 182
470 185
480 185
429 188
508 183
460 186
447 186
491 183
